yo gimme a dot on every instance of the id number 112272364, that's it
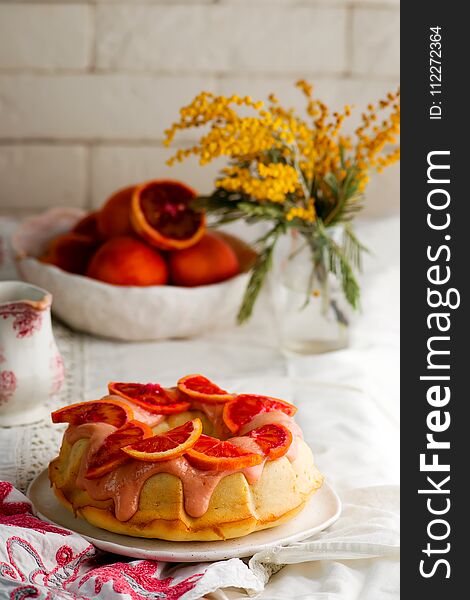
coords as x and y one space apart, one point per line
435 72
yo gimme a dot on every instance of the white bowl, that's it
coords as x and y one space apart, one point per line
126 312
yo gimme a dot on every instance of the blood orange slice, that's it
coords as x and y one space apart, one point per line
202 389
211 454
151 396
244 407
113 412
160 213
109 455
273 439
171 444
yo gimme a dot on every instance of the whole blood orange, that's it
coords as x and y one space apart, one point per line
244 407
168 445
212 454
114 218
127 261
209 261
274 439
151 396
113 412
71 252
88 225
109 455
161 215
202 389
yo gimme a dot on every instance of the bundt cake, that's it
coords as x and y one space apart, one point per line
188 463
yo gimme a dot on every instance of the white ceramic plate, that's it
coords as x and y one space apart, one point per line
320 512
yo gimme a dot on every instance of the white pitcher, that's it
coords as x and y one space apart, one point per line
31 368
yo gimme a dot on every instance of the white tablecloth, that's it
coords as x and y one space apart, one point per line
348 409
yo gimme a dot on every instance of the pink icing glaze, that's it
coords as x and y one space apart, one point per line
246 443
140 414
124 484
252 474
97 432
213 411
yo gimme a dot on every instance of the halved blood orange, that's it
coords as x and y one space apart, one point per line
202 389
211 454
171 444
113 412
244 407
109 455
151 396
274 439
161 215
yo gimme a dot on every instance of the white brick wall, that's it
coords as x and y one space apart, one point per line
93 106
375 44
45 36
41 175
140 37
87 87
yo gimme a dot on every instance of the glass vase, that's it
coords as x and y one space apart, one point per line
314 316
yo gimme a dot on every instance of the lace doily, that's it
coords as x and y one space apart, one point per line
38 444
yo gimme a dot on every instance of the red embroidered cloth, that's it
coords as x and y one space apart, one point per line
40 560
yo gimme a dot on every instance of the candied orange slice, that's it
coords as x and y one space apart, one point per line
161 214
113 412
171 444
211 454
274 439
110 456
151 396
202 389
244 407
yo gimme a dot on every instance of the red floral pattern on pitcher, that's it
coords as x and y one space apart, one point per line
8 385
26 320
58 373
